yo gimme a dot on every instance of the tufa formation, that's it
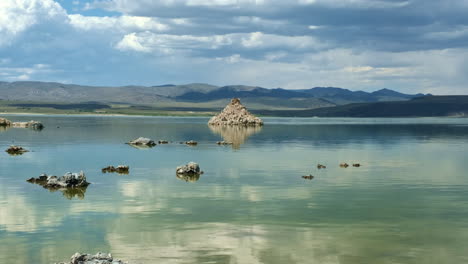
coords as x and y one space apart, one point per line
235 114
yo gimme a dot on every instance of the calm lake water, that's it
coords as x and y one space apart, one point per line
407 203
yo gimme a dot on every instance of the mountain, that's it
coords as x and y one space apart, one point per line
192 95
331 95
426 106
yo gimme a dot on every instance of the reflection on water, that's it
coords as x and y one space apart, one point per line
235 134
188 177
4 128
70 193
407 204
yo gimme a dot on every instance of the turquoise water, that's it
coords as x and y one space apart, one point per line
407 203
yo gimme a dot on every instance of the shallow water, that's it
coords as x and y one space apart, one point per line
408 203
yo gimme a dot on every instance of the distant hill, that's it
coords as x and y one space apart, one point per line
193 95
426 106
331 95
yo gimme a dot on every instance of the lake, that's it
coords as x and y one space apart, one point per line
407 203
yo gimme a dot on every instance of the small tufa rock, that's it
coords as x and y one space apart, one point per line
191 168
5 122
99 258
224 143
16 150
344 165
121 169
320 166
235 114
356 165
31 124
141 141
163 142
191 143
308 177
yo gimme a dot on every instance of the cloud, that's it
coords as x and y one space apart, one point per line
16 16
122 23
359 44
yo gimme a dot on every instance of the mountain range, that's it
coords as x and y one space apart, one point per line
203 95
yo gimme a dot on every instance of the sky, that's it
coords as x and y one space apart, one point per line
409 46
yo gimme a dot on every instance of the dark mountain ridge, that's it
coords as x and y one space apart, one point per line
195 93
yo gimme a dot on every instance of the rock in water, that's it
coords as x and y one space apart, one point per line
141 141
69 180
191 168
235 114
99 258
121 169
16 150
5 122
31 124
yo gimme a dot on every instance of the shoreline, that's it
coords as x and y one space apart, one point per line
208 116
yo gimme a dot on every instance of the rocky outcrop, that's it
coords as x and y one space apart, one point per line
142 142
99 258
69 180
235 114
191 168
30 124
5 122
16 150
121 169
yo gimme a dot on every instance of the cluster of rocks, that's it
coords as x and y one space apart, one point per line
16 150
99 258
120 169
69 180
142 142
235 114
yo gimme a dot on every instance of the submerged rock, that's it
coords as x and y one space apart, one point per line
142 142
30 124
235 114
5 122
121 169
16 150
191 168
99 258
308 177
